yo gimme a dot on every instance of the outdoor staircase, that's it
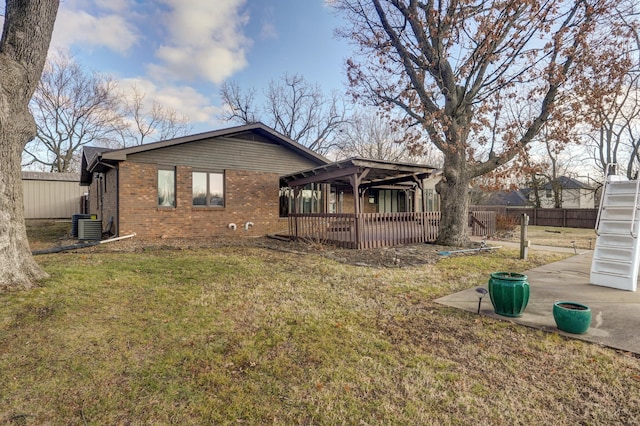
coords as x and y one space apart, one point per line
616 256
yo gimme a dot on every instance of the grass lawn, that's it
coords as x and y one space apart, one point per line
558 237
241 335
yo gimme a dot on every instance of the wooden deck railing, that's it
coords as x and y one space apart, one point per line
333 228
367 230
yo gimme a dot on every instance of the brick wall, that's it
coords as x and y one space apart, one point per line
249 197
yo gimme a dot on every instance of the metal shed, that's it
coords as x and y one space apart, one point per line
51 195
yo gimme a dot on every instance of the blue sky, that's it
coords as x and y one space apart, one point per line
180 51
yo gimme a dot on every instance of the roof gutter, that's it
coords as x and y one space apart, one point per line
100 163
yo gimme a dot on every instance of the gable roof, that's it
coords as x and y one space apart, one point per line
518 197
566 182
94 157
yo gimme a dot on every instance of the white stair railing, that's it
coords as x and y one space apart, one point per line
602 197
635 209
609 168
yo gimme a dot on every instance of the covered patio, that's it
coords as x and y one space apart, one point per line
364 182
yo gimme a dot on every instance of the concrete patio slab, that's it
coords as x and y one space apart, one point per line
616 313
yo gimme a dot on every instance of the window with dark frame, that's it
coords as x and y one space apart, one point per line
208 189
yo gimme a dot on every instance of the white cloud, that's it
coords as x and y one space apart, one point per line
114 5
205 40
192 40
268 31
79 27
185 100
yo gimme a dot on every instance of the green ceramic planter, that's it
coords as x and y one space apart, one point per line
509 292
572 317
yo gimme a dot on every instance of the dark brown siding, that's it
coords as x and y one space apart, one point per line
103 198
228 154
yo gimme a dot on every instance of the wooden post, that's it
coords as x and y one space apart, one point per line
524 241
296 194
355 187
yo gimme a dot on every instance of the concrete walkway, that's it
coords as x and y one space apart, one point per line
615 313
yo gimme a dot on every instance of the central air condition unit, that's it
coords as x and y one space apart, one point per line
89 229
74 223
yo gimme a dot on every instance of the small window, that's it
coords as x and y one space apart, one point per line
208 189
167 187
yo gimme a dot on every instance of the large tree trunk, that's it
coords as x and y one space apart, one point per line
17 267
454 196
23 49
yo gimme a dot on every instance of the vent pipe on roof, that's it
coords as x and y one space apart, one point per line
247 226
232 226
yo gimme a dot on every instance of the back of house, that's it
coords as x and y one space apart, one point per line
203 185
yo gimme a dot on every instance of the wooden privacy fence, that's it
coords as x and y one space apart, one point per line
482 223
564 218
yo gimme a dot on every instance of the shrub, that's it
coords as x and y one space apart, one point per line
506 223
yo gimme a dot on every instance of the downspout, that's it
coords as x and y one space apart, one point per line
117 214
101 180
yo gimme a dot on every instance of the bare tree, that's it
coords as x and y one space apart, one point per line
293 107
449 65
614 121
141 123
240 106
26 35
369 134
72 108
546 168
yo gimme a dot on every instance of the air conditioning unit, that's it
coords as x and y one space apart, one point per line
89 229
74 223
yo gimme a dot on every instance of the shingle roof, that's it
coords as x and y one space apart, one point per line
62 177
508 198
566 182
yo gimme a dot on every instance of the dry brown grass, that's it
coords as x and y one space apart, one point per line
242 335
555 237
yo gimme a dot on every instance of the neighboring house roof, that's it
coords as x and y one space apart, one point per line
60 177
93 157
518 197
566 182
378 172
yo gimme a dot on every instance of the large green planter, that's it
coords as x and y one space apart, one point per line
509 292
572 317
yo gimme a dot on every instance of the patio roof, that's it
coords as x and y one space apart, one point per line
369 173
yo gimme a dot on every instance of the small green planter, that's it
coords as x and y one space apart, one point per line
509 292
572 317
